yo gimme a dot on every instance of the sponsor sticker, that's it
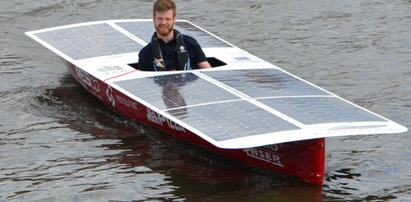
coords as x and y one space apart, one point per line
266 153
159 119
87 79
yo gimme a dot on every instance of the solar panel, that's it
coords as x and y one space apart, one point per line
230 120
141 29
164 92
145 29
89 41
264 83
203 38
317 110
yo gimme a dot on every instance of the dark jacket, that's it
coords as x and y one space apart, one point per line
196 54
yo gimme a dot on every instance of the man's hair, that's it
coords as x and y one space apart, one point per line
164 5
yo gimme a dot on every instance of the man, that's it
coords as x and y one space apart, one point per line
169 49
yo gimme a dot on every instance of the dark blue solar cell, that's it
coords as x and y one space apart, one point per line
264 83
315 110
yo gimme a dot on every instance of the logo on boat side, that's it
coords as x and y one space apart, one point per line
122 100
87 79
266 154
109 93
159 119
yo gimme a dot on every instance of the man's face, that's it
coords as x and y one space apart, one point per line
164 22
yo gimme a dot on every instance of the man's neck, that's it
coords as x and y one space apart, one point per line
166 38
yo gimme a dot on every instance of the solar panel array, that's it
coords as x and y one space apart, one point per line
94 40
291 96
234 105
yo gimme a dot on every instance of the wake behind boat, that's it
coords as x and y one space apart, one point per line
244 108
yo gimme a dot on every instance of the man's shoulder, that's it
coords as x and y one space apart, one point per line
189 39
146 49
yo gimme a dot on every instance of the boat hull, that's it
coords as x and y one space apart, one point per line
304 159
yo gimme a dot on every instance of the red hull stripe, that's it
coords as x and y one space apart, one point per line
120 75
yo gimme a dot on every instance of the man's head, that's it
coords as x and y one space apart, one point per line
164 16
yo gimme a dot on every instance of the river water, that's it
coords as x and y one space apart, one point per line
59 143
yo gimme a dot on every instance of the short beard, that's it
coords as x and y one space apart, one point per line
163 32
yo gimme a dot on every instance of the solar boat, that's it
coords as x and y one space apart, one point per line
244 108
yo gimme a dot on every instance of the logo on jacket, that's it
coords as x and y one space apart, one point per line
182 49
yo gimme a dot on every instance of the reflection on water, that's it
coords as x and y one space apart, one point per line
171 96
173 99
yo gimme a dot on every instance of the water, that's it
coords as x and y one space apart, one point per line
59 143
